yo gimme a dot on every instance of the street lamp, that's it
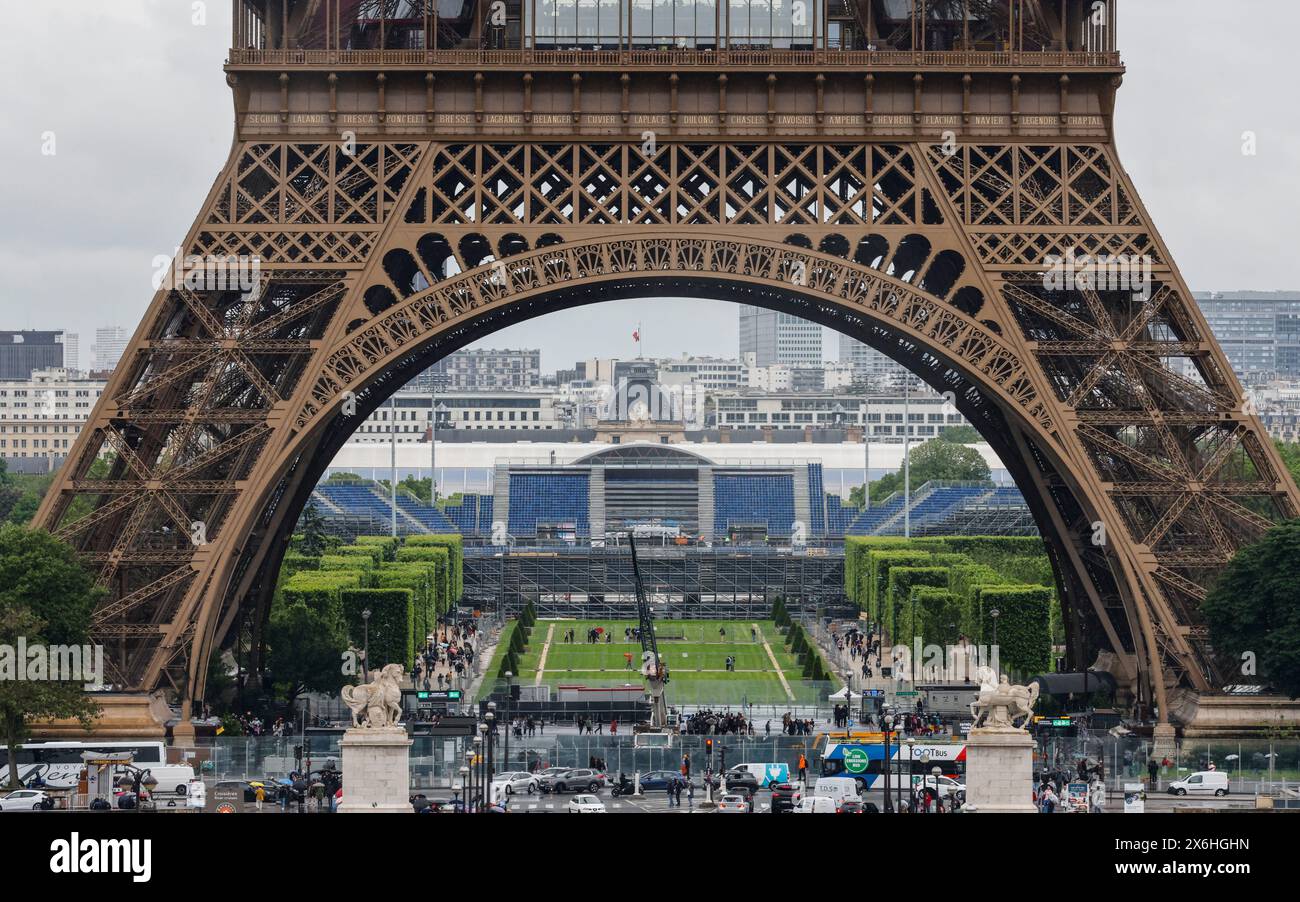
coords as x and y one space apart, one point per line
365 651
468 771
478 768
464 785
887 722
938 772
911 807
925 763
993 615
489 730
509 723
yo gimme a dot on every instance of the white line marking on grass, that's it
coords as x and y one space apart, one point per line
780 674
546 650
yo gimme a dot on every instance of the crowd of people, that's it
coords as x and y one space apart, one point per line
863 647
708 722
447 659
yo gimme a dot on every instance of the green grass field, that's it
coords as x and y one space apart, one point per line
694 651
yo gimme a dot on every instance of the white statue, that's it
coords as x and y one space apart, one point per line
380 699
998 707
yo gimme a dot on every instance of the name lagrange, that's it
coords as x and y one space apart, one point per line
103 856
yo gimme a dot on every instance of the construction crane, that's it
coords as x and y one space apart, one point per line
653 668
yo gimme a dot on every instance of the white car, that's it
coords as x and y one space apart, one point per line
514 781
24 800
948 787
732 804
815 805
586 804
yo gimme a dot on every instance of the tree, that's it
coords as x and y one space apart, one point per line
313 531
960 435
1253 610
304 651
46 598
933 460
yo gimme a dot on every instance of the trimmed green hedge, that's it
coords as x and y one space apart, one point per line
1024 626
937 615
321 590
455 546
879 563
387 544
392 624
899 619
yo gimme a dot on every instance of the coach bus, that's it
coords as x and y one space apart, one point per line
863 759
59 764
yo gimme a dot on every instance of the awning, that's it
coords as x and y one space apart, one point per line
1066 683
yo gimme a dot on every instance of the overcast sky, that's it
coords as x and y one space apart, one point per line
133 93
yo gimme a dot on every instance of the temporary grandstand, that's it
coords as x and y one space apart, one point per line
684 496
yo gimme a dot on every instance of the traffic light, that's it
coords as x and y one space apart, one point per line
708 746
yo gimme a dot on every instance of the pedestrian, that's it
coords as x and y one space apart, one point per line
669 789
1097 797
260 796
803 768
1153 771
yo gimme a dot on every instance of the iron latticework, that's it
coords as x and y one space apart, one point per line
906 183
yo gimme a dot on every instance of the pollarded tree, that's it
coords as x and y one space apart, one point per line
305 651
1253 611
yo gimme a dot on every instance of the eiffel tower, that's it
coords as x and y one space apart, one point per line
408 177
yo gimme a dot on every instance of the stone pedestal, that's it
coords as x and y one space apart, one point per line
1000 771
376 770
1164 741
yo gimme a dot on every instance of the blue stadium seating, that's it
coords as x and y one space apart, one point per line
755 498
549 498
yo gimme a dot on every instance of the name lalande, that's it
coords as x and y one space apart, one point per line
103 856
38 662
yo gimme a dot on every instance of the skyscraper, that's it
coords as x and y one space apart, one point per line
72 352
110 345
22 353
775 338
869 365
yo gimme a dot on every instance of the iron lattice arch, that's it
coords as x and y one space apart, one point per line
378 259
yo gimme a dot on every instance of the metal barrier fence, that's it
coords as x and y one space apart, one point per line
1252 765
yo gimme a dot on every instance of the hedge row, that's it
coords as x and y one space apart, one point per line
941 588
414 582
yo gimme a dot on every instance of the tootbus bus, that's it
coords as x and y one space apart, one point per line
863 759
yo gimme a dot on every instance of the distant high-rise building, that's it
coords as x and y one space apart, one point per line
22 353
1259 331
110 344
72 353
869 365
775 338
483 369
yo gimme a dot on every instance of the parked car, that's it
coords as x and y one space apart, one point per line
738 781
1204 782
785 796
947 786
574 779
658 780
851 806
733 803
586 804
27 800
511 782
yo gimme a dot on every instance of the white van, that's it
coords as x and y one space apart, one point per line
837 789
767 773
814 805
1202 783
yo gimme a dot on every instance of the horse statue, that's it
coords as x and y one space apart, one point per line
380 699
998 707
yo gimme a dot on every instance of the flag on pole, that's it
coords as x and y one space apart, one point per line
636 335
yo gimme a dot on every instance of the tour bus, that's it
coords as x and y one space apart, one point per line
863 759
59 764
